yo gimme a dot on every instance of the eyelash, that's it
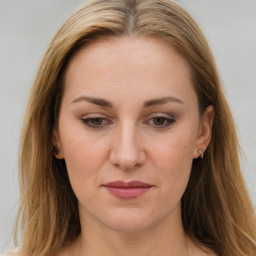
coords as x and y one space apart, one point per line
88 121
167 122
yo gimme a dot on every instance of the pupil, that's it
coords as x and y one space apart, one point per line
159 121
97 121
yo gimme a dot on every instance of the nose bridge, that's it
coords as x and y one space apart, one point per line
128 139
127 151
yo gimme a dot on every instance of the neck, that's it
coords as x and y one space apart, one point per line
165 239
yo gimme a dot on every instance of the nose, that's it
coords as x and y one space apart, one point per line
127 153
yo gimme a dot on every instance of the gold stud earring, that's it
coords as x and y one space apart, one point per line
201 152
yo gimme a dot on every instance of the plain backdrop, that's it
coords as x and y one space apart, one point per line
26 28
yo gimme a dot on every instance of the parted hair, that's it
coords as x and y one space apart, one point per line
216 209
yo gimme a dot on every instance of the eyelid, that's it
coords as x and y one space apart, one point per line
161 114
87 121
87 118
164 115
167 118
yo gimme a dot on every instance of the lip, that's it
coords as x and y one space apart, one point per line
127 190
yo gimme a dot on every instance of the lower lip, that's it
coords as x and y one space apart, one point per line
127 193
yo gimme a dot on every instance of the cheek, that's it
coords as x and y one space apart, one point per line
173 160
176 161
176 148
84 157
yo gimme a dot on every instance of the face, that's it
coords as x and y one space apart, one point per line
129 129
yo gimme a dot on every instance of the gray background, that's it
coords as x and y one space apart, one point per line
26 28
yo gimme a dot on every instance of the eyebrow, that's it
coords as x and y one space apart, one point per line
108 104
96 101
161 101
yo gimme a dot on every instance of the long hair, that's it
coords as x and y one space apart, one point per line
216 209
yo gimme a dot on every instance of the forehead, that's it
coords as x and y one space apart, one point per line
132 68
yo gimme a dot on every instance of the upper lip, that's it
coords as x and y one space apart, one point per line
130 184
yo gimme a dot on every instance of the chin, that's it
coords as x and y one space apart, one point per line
128 226
129 221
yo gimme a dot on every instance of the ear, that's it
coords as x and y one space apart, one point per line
57 144
205 131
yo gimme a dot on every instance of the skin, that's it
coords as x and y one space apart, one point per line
130 142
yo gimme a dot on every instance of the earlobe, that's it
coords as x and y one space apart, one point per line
57 149
205 132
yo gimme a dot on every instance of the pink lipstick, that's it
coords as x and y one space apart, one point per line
127 190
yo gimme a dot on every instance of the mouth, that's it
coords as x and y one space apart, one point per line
127 190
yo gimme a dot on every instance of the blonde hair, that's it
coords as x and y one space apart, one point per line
216 209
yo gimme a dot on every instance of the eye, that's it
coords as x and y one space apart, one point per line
161 121
96 122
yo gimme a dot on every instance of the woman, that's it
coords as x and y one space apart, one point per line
128 145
